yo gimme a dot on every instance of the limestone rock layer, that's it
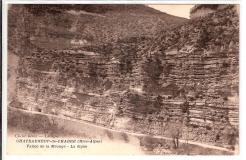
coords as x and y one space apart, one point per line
181 80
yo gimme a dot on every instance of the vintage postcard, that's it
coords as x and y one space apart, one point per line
123 79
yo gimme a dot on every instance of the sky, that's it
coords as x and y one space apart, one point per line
176 10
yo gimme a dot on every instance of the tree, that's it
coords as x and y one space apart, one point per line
125 64
175 132
153 69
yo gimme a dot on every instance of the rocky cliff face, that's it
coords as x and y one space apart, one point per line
202 10
181 82
202 69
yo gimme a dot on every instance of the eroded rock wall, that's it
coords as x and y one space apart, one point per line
183 82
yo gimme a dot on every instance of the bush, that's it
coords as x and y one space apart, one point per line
153 68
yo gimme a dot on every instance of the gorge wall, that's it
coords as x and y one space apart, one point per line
181 81
201 10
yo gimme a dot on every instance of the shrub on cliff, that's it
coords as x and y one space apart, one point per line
153 67
144 104
125 65
203 38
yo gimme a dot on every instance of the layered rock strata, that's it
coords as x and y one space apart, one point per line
182 82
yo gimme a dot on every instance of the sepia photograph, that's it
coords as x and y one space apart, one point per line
123 79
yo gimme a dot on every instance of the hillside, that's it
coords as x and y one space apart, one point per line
60 26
